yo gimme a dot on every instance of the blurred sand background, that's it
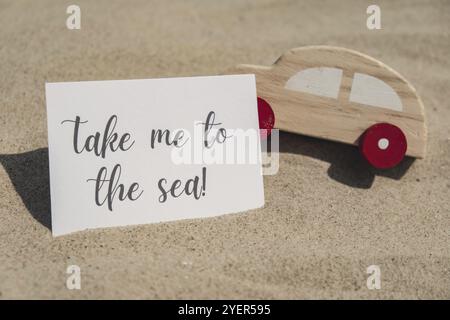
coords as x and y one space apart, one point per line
327 215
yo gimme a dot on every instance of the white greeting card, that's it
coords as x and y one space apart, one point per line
128 152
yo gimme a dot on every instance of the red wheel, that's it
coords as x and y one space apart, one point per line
383 145
266 118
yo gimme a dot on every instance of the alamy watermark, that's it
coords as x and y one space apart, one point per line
212 145
73 281
73 21
374 280
373 21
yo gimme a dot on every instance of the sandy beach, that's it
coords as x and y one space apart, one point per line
328 215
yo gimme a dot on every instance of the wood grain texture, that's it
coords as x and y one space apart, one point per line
337 119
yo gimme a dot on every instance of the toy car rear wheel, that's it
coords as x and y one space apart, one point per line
383 145
266 118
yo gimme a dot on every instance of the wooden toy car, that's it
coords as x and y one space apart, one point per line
343 95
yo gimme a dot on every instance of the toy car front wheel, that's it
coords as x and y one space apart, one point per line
383 145
266 118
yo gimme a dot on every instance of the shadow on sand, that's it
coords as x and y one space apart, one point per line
30 176
29 171
347 166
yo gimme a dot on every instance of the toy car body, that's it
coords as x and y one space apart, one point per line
338 94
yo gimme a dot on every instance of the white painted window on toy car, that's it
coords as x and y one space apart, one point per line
372 91
322 81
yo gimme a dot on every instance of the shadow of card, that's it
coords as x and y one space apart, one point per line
29 174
